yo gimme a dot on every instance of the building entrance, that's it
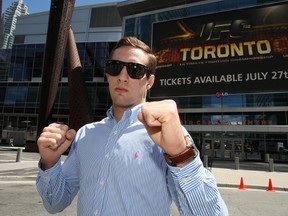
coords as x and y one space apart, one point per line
246 146
224 148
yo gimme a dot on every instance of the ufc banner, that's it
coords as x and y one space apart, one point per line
235 52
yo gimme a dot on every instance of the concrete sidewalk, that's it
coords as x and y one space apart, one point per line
255 175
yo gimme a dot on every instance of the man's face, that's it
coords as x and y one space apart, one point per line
125 91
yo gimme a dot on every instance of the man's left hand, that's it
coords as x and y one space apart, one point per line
162 122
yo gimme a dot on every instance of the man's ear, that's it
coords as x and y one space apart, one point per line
150 81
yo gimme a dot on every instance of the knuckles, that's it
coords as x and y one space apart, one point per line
167 107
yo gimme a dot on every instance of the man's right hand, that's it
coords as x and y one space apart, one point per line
53 142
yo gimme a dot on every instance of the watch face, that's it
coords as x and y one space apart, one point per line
189 141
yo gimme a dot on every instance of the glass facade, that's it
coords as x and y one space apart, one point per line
265 113
20 86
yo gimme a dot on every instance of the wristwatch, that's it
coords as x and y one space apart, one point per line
189 153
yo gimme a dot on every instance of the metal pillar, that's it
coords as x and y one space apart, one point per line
57 34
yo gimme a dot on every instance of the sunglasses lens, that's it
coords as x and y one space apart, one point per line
136 71
113 68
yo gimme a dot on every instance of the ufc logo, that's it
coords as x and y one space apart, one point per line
218 30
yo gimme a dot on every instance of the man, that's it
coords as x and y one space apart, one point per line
133 162
11 141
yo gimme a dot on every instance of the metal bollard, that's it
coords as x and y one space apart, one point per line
267 156
19 154
205 161
271 165
236 163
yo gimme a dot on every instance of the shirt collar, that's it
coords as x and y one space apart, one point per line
131 113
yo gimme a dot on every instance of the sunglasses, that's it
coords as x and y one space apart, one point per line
134 70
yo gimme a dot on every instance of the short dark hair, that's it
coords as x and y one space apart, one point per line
135 42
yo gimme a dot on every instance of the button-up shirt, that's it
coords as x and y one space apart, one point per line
117 169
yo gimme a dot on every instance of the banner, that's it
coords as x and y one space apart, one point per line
235 52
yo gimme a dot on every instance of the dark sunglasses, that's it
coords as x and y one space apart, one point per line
134 70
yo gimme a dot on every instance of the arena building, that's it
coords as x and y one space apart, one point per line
224 62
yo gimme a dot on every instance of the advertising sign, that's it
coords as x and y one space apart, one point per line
235 52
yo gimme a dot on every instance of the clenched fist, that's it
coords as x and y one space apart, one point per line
163 125
53 142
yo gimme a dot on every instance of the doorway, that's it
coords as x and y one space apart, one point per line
222 148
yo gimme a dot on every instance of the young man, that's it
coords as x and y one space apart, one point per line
136 161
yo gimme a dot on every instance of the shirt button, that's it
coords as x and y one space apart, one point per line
185 180
115 132
107 156
96 213
102 183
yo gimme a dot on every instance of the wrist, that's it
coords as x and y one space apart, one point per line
184 157
177 150
44 165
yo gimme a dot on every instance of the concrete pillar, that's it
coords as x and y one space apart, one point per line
271 165
19 154
267 156
236 163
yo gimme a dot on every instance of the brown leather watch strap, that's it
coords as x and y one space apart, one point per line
184 156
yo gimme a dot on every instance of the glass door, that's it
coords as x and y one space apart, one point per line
207 148
224 148
232 148
218 148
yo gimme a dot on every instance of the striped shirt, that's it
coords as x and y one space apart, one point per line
117 169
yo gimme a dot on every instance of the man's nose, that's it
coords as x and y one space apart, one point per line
123 76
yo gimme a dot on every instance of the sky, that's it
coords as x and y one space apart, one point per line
35 6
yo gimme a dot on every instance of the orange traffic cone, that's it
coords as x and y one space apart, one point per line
270 186
242 186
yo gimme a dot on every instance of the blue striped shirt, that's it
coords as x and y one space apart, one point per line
117 169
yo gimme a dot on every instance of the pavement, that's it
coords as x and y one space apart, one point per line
250 175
